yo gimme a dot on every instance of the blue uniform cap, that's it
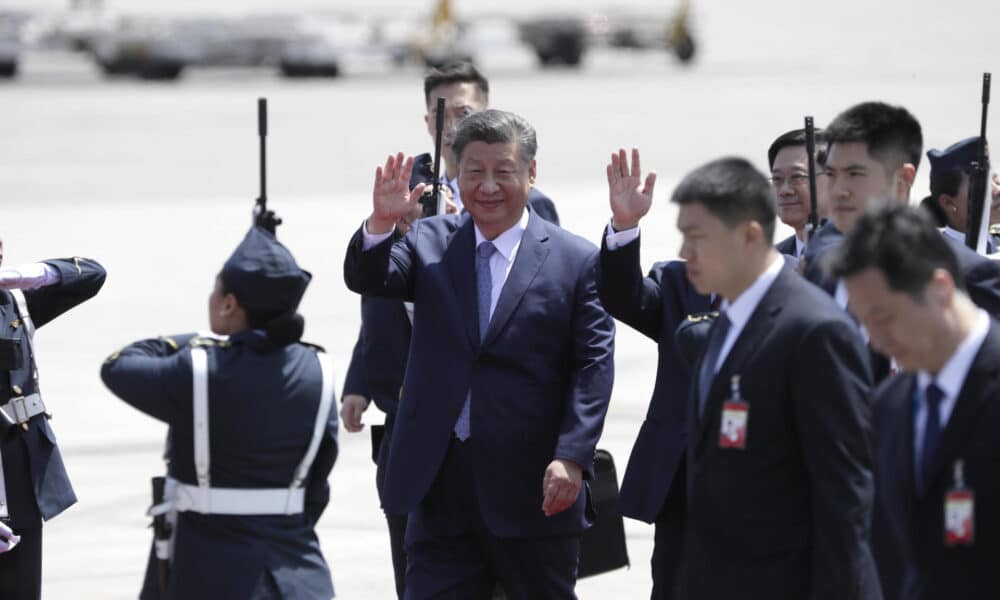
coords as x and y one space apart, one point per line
263 275
957 156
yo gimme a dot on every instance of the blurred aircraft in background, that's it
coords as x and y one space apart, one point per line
317 44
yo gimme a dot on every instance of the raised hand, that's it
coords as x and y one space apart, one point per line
393 199
629 203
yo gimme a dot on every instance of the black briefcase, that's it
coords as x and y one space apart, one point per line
602 547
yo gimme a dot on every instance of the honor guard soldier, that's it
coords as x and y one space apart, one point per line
34 486
252 437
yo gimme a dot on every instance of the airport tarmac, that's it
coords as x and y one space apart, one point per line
157 180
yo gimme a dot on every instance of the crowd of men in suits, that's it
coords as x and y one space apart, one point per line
831 437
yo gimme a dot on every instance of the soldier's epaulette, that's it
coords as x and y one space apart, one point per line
199 340
315 347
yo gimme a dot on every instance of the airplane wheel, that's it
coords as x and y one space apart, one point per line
161 71
685 49
8 70
565 49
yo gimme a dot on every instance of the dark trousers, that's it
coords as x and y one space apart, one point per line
397 535
451 553
21 568
667 564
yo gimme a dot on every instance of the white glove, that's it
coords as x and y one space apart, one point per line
7 538
28 277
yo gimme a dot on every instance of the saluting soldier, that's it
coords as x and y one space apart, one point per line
34 486
252 435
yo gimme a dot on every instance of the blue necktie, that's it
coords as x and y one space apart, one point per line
932 432
484 295
716 338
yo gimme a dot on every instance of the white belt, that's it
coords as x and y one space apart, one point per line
205 499
19 411
182 497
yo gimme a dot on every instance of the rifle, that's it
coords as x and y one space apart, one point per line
978 224
162 531
263 217
431 200
813 223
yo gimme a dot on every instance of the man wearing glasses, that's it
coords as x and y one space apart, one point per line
789 165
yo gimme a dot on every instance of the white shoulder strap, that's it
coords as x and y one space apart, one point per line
22 312
29 328
199 372
322 417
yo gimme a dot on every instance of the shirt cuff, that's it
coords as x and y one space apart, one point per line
617 239
372 240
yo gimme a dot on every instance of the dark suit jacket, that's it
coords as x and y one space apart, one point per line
37 484
787 246
539 203
788 517
386 347
917 520
981 275
540 381
654 305
356 379
262 410
827 238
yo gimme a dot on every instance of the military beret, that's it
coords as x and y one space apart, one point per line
263 274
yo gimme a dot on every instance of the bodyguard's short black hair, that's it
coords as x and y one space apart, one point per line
456 72
892 135
733 191
796 137
903 244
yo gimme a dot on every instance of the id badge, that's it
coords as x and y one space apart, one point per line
959 518
733 429
735 415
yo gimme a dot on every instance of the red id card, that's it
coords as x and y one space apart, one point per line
733 428
959 518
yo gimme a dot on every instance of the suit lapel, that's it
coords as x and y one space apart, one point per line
898 465
980 386
748 342
531 253
462 269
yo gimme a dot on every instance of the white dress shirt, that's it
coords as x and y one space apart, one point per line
954 234
800 246
949 379
743 307
617 239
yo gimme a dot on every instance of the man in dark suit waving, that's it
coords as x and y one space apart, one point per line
780 490
490 460
936 423
653 487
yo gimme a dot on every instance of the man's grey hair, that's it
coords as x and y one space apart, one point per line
496 127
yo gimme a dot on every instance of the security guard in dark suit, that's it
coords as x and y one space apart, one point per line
34 486
253 435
